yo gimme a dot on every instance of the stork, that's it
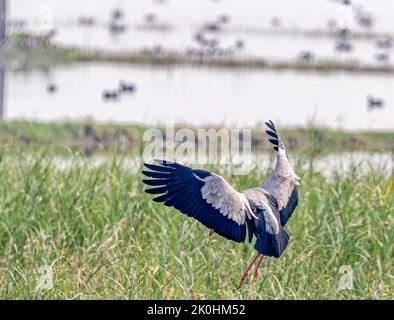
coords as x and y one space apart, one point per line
261 212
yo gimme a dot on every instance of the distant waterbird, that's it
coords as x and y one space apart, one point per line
374 102
126 87
382 57
110 95
260 212
86 21
117 14
343 46
275 22
385 43
51 88
223 18
212 26
150 18
115 23
306 56
363 17
344 33
239 44
116 28
346 2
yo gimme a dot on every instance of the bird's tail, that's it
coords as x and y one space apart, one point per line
272 245
273 133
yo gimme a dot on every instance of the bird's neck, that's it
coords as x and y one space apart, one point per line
283 166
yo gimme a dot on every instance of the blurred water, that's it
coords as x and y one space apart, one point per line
204 96
342 163
185 17
295 14
201 96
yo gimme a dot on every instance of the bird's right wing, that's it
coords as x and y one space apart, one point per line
202 195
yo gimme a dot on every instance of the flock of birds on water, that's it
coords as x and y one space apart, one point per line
207 44
113 94
123 88
343 43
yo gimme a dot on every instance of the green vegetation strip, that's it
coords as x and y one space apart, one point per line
93 137
45 54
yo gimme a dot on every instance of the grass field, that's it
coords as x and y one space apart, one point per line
103 238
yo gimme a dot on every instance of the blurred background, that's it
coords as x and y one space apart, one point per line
201 62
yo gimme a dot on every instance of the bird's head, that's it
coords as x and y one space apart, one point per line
274 137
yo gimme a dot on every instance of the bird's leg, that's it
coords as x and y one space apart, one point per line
257 270
245 274
211 232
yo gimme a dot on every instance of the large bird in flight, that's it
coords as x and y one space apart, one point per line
207 197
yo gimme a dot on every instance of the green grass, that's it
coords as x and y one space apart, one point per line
104 238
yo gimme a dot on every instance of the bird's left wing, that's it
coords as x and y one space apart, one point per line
283 181
202 195
289 206
287 195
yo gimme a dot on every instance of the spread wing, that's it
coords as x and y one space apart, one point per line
202 195
286 192
283 182
289 206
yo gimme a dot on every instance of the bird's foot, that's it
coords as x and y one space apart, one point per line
246 272
211 233
256 274
257 270
243 279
